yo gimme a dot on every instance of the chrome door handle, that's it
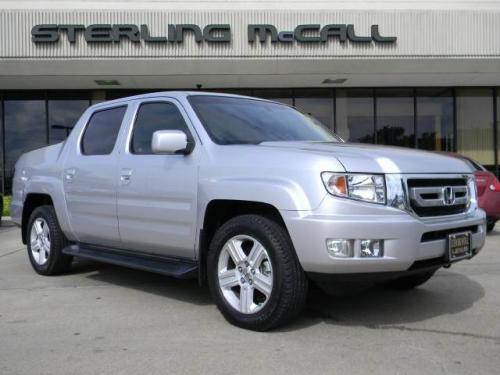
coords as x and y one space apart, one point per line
69 174
126 176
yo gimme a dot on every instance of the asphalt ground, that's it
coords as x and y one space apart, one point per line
102 319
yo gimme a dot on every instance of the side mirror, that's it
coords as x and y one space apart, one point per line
170 142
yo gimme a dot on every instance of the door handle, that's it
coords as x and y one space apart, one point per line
125 176
69 174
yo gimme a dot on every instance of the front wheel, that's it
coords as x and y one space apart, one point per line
254 275
45 242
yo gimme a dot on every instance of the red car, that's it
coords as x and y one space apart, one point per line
488 191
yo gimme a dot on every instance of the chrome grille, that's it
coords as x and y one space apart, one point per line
439 196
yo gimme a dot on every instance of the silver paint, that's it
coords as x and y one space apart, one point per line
157 203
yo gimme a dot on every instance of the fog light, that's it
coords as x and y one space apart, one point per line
372 248
339 248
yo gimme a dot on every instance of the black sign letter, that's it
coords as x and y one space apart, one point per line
180 29
354 38
300 37
261 32
71 31
381 39
151 39
98 33
217 33
339 31
126 31
44 34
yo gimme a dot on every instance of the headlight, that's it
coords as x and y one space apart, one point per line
363 187
471 186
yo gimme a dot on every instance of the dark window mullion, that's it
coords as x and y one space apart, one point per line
495 127
334 103
47 130
375 137
455 122
415 139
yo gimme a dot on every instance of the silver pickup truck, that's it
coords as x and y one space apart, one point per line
249 196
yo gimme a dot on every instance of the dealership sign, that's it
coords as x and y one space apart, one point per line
215 33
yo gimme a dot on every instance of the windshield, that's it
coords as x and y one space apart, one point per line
231 121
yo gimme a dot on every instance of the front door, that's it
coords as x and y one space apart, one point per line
157 194
91 177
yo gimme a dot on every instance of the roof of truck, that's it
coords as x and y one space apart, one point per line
168 94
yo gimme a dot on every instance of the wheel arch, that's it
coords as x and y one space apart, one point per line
31 202
219 211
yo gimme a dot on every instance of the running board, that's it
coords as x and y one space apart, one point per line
179 268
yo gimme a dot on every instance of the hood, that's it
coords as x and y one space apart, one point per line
360 157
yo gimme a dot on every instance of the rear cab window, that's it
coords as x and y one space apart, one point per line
101 133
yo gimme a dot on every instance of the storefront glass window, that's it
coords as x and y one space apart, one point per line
475 124
246 92
63 115
354 111
278 95
25 130
435 119
1 150
497 170
395 117
316 103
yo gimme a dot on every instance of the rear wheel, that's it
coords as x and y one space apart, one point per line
410 282
254 275
46 241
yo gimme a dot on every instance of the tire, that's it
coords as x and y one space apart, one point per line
53 261
490 225
410 282
273 302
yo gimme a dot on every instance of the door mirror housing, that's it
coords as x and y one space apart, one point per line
170 142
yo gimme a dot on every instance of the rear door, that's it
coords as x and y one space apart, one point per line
91 178
157 194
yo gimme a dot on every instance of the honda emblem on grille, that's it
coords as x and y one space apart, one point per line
448 195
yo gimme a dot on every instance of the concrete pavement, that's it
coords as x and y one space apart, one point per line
103 319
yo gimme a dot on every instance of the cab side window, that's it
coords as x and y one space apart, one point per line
102 131
152 117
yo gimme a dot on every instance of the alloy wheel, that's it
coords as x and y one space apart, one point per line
245 274
40 241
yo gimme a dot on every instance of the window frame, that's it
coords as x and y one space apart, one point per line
87 124
130 137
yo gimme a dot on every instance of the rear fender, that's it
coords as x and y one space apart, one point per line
54 188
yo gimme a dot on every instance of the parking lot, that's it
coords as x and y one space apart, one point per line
102 319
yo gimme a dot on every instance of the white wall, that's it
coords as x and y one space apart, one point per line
250 4
420 33
449 43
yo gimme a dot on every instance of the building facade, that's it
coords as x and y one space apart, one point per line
407 73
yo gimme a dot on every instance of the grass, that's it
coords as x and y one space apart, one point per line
6 206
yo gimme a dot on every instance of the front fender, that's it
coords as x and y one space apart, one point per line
283 194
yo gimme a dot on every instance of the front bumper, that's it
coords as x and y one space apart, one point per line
407 238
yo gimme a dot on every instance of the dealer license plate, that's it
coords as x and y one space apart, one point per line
459 246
